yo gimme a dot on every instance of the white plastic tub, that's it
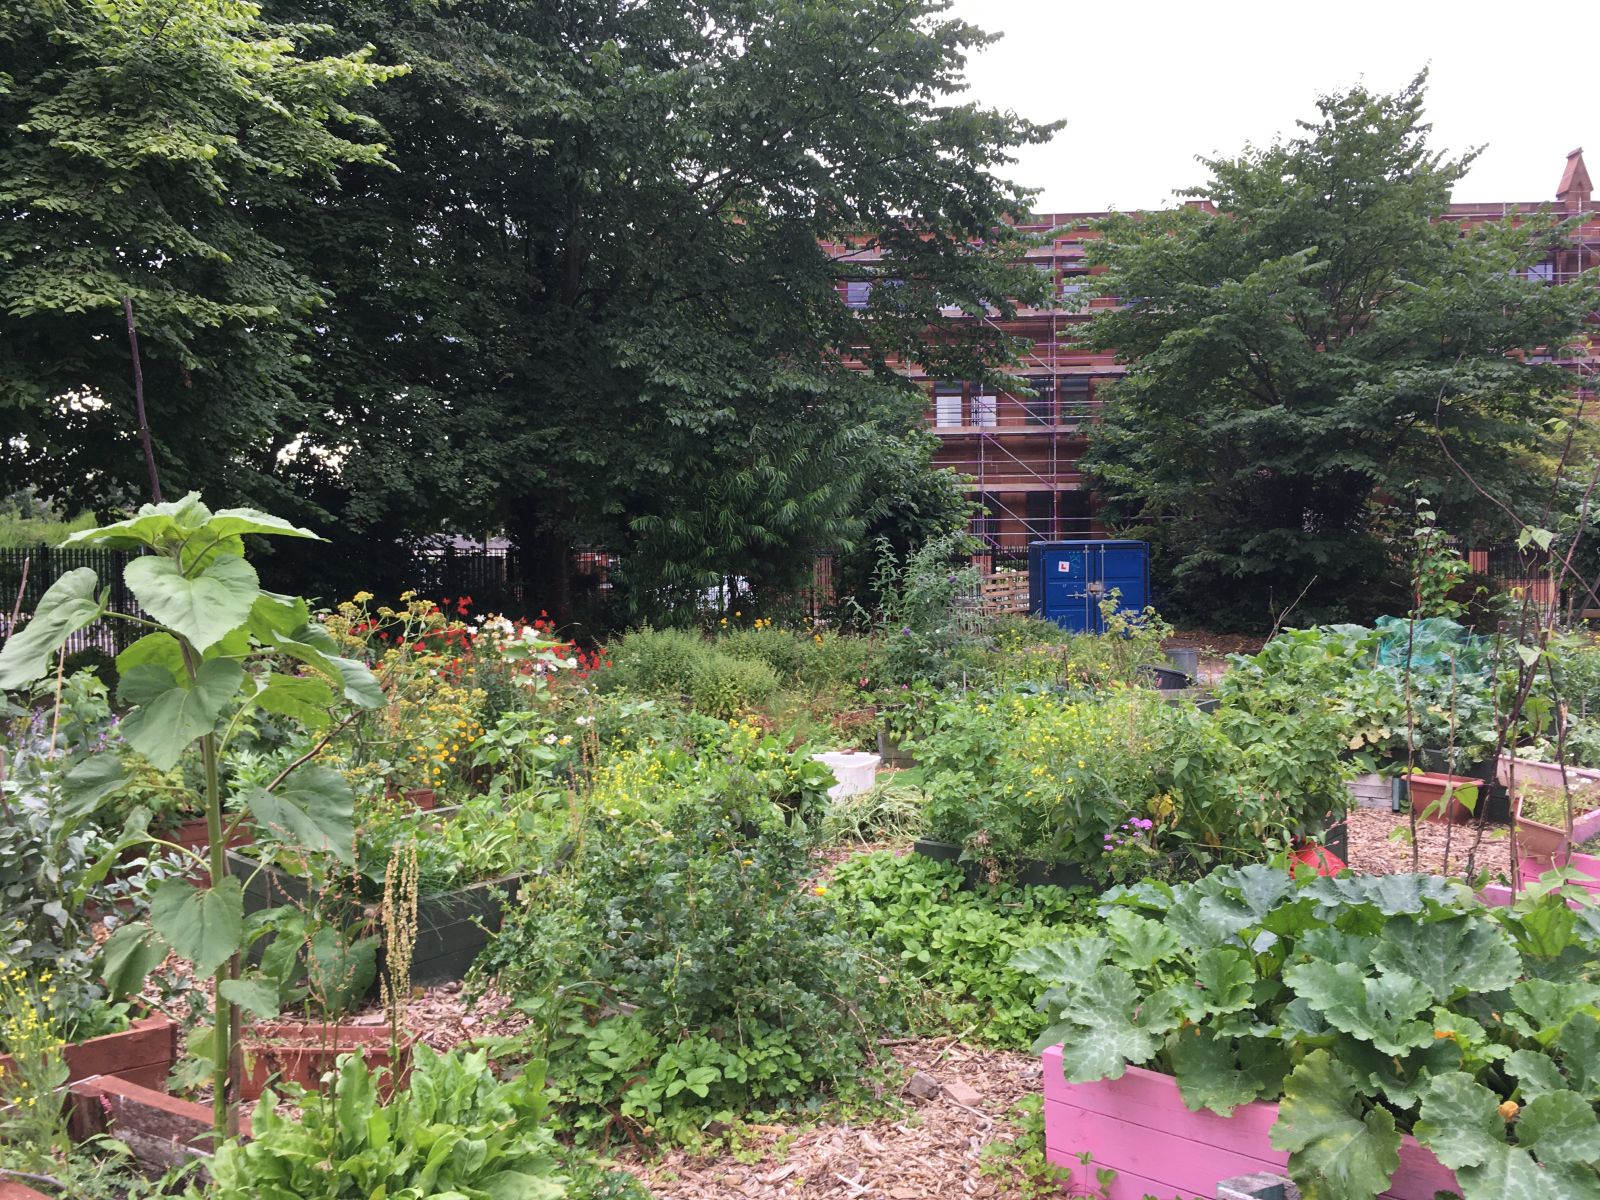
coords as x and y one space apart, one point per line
855 772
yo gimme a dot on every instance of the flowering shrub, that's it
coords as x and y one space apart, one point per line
1119 783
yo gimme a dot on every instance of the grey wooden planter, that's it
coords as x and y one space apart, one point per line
452 928
1032 873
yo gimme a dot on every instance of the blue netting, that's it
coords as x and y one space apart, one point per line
1435 646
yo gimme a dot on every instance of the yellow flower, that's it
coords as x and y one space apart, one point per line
820 890
362 597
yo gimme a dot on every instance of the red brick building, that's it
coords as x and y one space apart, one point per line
1020 453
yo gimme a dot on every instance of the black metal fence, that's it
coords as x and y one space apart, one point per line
26 574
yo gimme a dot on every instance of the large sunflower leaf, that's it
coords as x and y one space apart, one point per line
203 607
169 715
1462 954
306 699
311 645
70 604
204 925
312 810
1381 1010
1338 1148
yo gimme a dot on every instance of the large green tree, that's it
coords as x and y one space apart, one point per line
140 141
1316 343
596 302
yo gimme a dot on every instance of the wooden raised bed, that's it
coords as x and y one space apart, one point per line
143 1054
279 1052
160 1130
451 928
1139 1127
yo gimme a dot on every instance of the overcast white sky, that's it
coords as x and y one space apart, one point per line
1146 85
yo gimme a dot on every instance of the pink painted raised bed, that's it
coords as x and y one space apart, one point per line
1139 1127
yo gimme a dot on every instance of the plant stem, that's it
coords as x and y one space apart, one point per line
222 1118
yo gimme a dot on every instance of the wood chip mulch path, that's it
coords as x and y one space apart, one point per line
1375 851
930 1150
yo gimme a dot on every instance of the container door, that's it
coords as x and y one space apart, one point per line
1066 588
1124 569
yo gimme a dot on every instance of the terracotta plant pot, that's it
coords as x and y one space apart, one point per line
143 1054
279 1052
1536 839
1428 796
423 798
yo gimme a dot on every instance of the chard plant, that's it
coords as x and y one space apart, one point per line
1367 1007
218 648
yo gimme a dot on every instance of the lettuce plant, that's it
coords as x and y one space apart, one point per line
1367 1007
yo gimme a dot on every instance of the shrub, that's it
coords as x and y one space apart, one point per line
679 664
725 687
1121 785
683 972
655 662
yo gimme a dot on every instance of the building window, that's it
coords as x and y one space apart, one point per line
1040 408
947 404
1075 398
1041 516
1072 280
985 408
1543 272
857 293
1074 510
986 524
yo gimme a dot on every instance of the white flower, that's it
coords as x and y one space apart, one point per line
585 721
571 662
549 739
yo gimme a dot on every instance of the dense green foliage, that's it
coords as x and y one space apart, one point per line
682 972
1120 783
592 301
453 1130
1368 1006
953 946
144 139
1308 347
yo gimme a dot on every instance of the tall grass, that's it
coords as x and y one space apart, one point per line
23 533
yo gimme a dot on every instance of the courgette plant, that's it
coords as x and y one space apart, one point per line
1367 1007
217 648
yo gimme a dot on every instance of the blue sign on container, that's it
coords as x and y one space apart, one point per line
1068 580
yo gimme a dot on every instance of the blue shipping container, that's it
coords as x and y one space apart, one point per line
1067 580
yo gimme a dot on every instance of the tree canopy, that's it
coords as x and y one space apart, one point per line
1313 344
599 299
143 139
